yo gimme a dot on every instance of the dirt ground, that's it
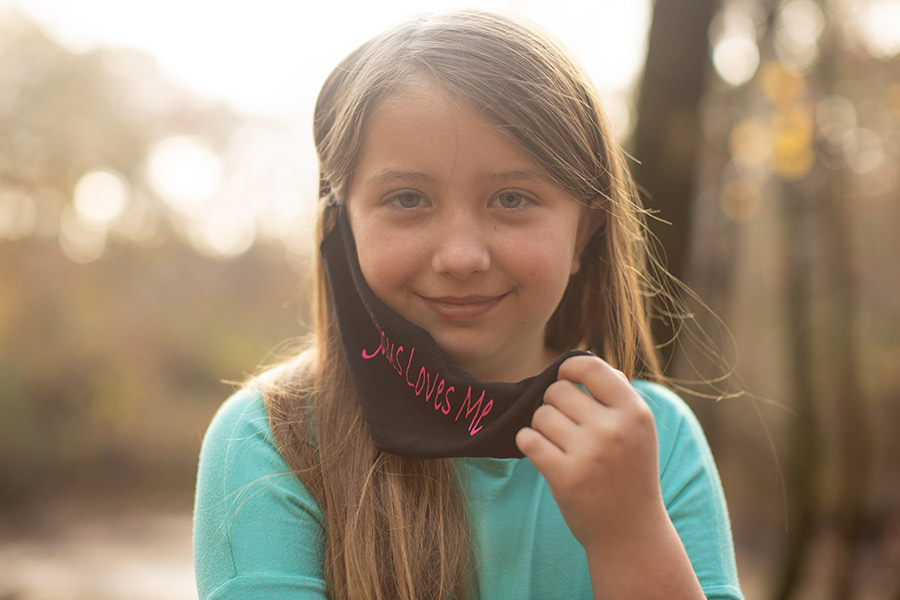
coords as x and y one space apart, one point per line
98 550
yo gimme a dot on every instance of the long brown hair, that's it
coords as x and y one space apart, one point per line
396 527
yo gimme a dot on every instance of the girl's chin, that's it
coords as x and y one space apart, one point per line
482 367
501 368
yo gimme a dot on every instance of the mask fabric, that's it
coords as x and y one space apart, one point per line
416 404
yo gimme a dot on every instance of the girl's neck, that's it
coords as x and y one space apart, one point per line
510 371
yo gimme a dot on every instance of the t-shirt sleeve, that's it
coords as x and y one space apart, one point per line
692 492
257 531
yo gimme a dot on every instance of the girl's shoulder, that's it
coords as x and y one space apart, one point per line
245 494
245 412
238 444
679 434
692 490
242 414
665 403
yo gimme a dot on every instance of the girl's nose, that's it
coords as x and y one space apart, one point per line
462 249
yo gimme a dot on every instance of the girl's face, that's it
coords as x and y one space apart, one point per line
460 232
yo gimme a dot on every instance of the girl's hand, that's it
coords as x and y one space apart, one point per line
597 450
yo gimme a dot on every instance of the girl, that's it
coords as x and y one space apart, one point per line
451 431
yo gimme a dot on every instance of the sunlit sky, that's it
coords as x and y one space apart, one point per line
269 56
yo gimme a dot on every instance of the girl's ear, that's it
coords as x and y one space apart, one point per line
593 221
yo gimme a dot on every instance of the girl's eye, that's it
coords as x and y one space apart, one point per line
511 199
406 200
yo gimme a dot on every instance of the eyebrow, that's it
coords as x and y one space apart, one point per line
517 174
389 175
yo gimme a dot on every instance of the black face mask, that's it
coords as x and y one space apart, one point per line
416 403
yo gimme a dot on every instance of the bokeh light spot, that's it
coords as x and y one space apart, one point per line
141 222
100 196
18 215
781 85
879 24
81 241
793 143
863 150
799 26
735 54
184 172
750 145
835 116
740 199
227 232
736 60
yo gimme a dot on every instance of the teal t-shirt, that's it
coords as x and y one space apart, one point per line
258 533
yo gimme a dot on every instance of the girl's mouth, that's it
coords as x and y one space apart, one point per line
462 308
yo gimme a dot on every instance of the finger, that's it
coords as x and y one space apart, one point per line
558 428
543 454
606 384
572 400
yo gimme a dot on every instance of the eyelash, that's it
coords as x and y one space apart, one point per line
524 199
394 200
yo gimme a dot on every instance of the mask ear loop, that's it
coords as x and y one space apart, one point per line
331 210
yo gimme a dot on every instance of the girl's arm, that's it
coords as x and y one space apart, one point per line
257 532
598 452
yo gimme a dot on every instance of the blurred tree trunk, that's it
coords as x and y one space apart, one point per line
825 371
852 417
849 399
667 135
802 480
826 366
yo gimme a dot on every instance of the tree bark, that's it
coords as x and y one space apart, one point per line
802 479
667 134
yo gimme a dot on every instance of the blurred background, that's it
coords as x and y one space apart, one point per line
157 190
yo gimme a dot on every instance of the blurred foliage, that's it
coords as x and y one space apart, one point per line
110 371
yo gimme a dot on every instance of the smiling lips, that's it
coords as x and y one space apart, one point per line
458 308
